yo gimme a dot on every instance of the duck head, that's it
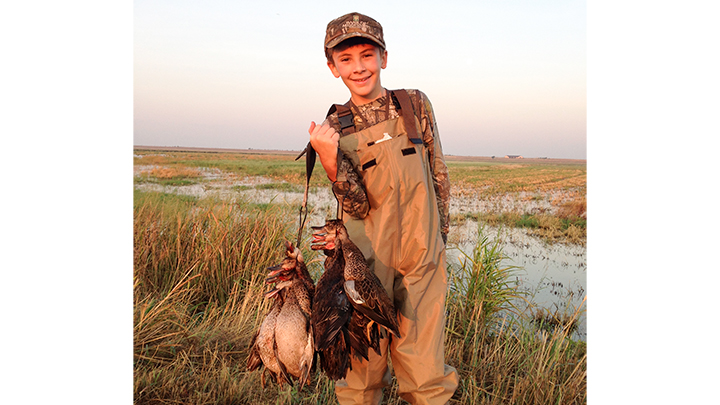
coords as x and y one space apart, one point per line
327 237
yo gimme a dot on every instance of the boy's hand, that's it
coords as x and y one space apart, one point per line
324 139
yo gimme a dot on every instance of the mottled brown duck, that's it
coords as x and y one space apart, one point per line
284 342
331 314
363 289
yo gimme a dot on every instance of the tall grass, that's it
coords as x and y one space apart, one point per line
501 357
198 300
199 279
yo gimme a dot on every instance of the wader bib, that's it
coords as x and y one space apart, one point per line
401 241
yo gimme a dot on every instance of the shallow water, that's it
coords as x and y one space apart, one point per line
554 276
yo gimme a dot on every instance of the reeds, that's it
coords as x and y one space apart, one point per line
501 357
198 299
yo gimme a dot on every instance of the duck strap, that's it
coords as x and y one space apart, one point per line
309 166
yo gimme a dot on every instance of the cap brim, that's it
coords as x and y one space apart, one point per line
336 41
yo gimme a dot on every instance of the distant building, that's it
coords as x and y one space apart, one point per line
513 157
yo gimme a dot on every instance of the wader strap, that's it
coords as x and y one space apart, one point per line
345 117
408 119
400 98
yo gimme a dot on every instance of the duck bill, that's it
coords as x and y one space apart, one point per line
278 274
323 246
278 287
272 292
320 240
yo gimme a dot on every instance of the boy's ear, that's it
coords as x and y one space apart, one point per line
333 69
384 60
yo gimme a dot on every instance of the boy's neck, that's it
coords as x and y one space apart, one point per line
358 100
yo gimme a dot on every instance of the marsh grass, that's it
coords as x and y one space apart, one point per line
198 296
501 357
550 228
199 268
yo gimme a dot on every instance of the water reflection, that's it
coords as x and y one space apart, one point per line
553 276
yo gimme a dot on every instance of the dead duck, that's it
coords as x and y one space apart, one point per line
331 314
338 329
362 287
262 346
284 342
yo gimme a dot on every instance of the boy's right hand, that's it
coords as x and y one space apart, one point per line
324 139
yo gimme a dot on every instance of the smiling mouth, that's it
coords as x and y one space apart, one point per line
363 80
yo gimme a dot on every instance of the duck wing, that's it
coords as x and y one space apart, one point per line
283 375
306 361
368 296
358 338
331 308
335 359
254 361
364 334
263 343
330 317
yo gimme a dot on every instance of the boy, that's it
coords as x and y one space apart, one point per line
382 152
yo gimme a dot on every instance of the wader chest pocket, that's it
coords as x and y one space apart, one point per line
369 164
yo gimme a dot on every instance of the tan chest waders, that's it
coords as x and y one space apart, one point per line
400 238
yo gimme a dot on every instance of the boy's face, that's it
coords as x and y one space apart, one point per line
359 68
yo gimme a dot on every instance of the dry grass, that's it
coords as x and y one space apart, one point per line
173 172
198 283
198 299
497 178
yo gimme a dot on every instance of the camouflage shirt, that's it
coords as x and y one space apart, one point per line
349 187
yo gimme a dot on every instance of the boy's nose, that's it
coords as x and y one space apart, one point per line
359 67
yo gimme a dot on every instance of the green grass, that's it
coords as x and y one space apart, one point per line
199 268
285 187
550 228
502 357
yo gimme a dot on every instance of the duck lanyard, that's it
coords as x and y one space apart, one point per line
309 166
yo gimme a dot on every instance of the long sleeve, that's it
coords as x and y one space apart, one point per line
348 187
439 169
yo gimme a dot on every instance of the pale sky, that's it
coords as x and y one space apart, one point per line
504 77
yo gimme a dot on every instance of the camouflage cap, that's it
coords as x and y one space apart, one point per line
353 25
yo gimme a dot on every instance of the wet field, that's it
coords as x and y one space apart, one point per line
553 276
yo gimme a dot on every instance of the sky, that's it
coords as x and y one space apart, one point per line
504 77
